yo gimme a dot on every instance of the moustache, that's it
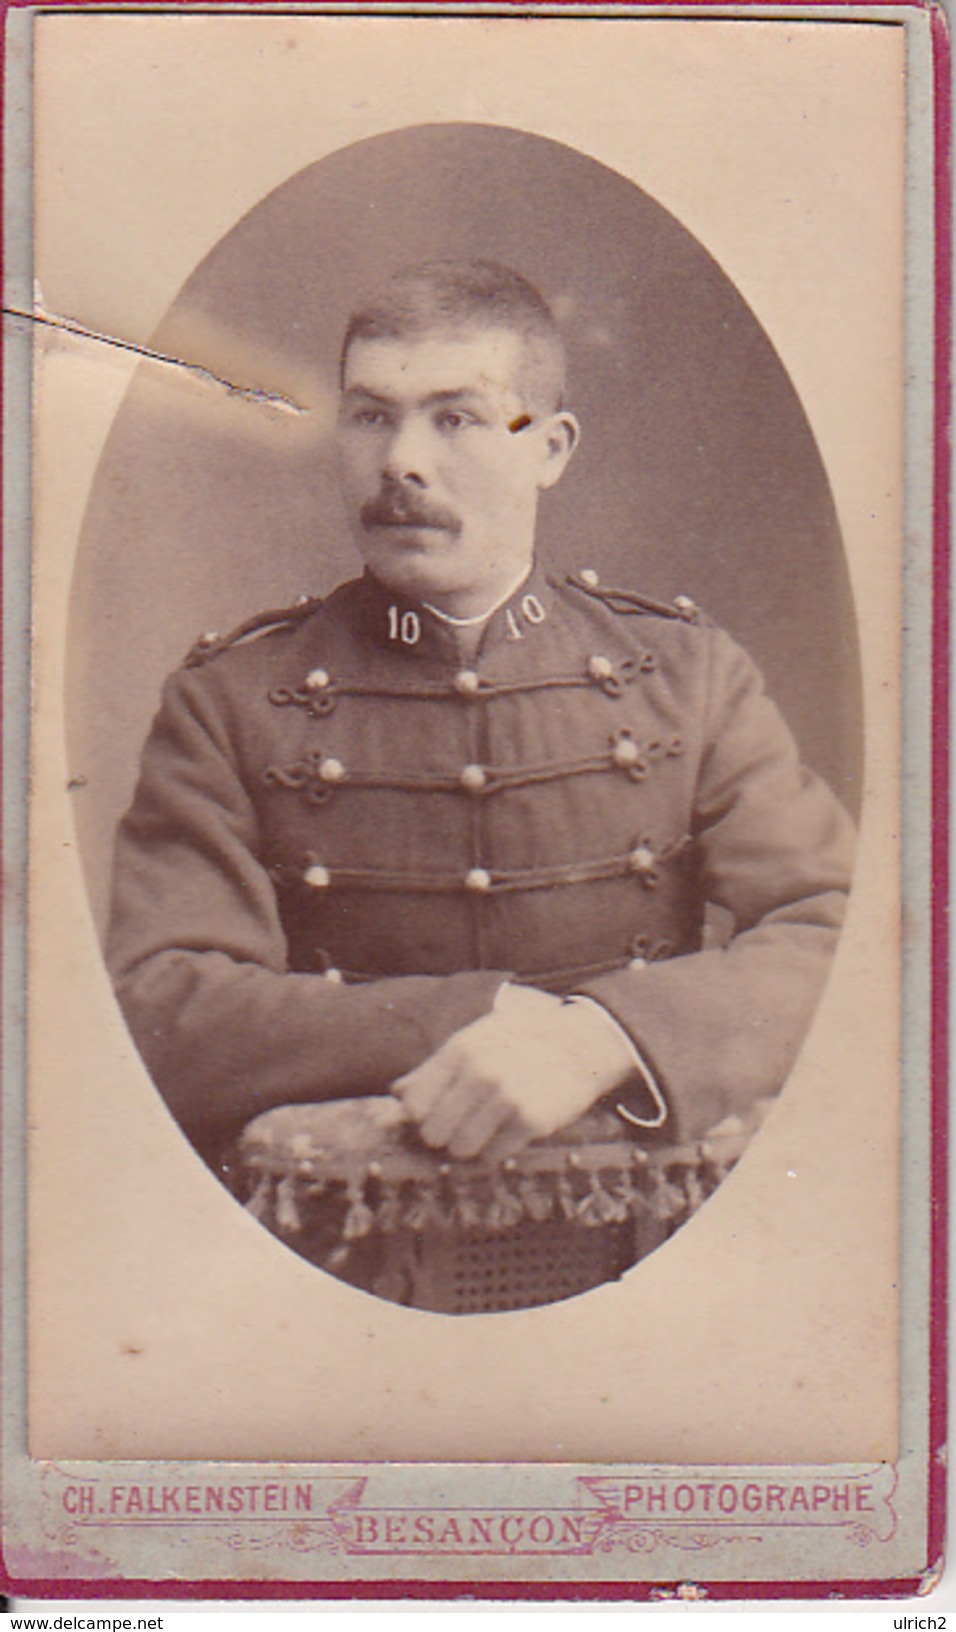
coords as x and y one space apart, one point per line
400 510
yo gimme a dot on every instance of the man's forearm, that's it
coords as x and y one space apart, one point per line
720 1029
224 1041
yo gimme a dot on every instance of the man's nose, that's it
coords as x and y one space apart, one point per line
406 455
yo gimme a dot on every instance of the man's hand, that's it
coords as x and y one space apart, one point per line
531 1066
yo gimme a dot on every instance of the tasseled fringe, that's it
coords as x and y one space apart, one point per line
589 1187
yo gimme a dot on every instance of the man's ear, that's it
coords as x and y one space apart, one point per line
560 434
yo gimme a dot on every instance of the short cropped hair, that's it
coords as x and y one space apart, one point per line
468 294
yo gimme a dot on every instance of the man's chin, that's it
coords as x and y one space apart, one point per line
412 561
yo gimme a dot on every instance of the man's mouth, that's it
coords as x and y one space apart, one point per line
397 512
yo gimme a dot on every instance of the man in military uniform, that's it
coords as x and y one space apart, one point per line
449 836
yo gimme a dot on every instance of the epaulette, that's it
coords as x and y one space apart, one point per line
627 601
284 617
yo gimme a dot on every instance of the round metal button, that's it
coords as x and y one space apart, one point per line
466 682
625 752
600 668
588 576
333 975
642 859
317 876
637 963
331 770
317 680
478 880
684 605
473 778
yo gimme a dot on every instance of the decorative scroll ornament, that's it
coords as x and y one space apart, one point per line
316 774
320 692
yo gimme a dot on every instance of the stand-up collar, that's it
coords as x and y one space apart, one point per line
401 623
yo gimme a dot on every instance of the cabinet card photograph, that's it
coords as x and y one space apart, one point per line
470 600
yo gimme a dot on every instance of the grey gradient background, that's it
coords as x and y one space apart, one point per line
697 473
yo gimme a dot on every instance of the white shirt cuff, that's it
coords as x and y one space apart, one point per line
641 1069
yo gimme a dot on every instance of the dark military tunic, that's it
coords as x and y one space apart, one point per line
345 837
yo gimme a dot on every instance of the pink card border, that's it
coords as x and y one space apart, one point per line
610 1591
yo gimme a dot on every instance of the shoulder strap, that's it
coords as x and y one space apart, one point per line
210 645
628 601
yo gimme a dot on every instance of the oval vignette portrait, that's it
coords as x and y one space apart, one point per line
470 829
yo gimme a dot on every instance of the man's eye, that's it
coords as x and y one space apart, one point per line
455 419
369 418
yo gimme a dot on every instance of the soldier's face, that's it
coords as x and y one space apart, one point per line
442 456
